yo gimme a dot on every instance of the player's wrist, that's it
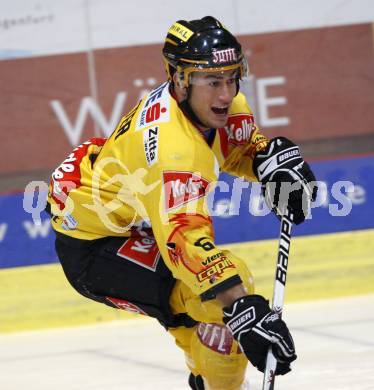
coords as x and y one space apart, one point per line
229 296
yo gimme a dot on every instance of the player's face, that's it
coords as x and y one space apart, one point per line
212 95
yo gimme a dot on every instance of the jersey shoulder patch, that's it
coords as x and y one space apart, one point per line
155 108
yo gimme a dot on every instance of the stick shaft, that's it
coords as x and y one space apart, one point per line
278 293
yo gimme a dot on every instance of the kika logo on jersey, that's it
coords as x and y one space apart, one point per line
182 187
155 108
239 128
150 138
227 55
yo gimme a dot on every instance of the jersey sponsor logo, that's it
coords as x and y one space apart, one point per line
156 108
150 139
180 31
126 305
239 128
67 176
216 337
222 56
181 187
69 222
215 270
142 251
210 259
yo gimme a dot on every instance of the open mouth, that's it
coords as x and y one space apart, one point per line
220 110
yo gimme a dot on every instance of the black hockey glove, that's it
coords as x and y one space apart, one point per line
255 327
287 179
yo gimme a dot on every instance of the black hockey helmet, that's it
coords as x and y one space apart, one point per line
202 45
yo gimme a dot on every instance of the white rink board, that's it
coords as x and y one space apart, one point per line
334 340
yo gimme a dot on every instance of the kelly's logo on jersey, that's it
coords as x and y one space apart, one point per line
156 108
239 128
182 187
142 251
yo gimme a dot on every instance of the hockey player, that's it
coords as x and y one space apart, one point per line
132 227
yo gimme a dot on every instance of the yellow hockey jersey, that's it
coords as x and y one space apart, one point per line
155 172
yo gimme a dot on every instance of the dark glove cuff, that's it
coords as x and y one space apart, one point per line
226 284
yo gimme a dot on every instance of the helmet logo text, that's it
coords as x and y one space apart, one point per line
180 31
227 55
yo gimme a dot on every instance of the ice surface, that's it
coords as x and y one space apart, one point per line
334 341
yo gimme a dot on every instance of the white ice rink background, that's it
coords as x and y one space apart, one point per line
334 340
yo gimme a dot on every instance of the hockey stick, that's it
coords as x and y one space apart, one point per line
278 293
